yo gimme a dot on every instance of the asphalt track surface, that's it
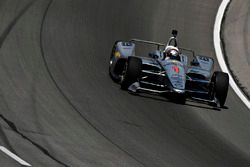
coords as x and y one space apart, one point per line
236 41
59 107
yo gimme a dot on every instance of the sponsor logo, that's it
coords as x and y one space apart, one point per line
117 54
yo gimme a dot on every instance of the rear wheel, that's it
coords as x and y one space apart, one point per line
219 88
132 72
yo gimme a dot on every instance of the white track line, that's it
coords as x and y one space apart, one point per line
219 53
15 157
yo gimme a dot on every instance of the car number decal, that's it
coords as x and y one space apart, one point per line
176 69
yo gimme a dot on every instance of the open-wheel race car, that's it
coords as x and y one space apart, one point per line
174 72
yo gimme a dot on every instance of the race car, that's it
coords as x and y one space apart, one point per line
174 72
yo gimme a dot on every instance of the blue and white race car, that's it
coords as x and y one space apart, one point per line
168 71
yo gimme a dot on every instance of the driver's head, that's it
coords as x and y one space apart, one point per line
171 51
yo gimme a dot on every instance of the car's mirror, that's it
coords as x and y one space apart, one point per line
194 62
153 55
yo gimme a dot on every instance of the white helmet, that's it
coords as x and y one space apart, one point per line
171 51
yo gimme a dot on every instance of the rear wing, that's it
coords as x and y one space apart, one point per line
159 45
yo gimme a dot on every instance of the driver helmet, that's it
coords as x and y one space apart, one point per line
171 52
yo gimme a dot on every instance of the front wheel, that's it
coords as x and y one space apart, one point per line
220 82
131 72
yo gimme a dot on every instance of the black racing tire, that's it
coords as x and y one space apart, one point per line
220 81
132 72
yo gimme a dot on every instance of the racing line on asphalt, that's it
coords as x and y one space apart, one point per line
14 156
219 53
